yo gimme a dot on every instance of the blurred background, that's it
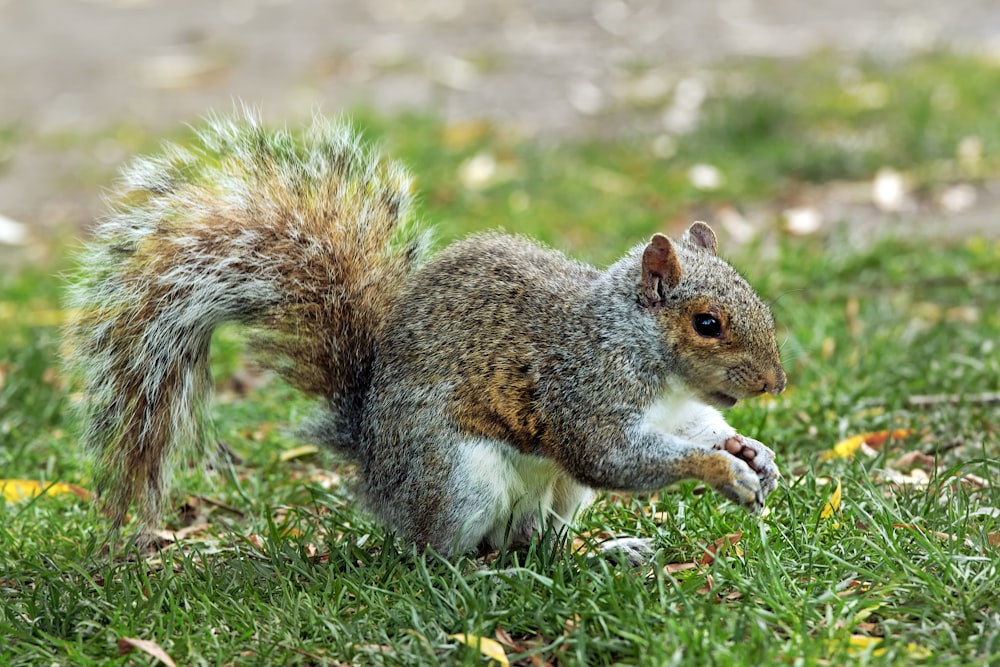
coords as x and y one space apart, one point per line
85 83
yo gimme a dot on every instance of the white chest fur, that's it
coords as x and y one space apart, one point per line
679 413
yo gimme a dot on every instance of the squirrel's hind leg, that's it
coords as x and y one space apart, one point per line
471 493
502 498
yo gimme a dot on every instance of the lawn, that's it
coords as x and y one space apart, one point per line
881 546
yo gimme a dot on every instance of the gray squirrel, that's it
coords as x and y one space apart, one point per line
484 392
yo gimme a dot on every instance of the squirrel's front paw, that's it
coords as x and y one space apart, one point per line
760 458
748 473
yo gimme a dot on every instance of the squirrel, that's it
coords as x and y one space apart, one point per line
484 392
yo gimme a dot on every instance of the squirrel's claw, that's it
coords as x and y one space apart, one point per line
754 473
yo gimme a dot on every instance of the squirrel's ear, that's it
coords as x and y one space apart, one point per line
700 235
661 269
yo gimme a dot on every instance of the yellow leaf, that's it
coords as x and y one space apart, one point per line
861 643
14 490
488 647
846 449
833 504
298 452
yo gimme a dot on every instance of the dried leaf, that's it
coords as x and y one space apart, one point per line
968 479
505 639
172 536
833 504
879 438
128 644
913 459
488 647
673 568
298 452
722 543
855 586
846 449
14 490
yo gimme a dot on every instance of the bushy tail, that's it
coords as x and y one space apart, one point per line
303 237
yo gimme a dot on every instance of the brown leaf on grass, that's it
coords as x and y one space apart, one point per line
974 480
674 568
128 644
846 449
171 536
504 638
723 543
855 586
993 539
914 459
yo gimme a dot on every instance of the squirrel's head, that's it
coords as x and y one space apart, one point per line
718 334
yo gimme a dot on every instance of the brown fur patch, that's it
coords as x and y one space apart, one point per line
499 405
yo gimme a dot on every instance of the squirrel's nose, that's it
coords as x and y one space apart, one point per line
774 383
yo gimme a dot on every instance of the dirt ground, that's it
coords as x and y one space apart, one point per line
550 68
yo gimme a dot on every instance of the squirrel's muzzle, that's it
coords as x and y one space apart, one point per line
774 383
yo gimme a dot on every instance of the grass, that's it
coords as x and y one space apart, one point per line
278 567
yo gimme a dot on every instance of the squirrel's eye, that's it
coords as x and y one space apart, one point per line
707 325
